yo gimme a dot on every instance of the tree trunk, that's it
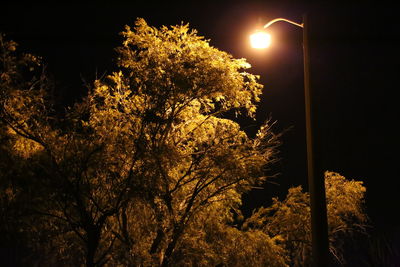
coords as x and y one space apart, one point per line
171 246
93 237
157 241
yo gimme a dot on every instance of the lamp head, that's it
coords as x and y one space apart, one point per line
260 39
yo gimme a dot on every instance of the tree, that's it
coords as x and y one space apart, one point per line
149 136
146 170
20 77
290 219
166 98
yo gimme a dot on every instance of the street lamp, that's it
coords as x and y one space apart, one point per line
316 183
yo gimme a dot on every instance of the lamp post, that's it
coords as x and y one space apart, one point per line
316 183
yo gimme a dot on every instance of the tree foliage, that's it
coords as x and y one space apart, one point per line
290 219
145 170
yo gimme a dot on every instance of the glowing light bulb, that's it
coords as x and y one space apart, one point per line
260 40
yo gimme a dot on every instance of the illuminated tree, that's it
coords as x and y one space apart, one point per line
161 111
290 219
149 136
21 231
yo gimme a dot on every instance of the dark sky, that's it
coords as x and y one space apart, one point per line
354 74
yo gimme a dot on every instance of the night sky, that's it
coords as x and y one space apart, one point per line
354 74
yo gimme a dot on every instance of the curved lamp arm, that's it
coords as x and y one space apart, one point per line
282 19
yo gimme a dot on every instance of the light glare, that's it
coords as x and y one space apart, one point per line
260 40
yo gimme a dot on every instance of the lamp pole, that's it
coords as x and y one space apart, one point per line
316 182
